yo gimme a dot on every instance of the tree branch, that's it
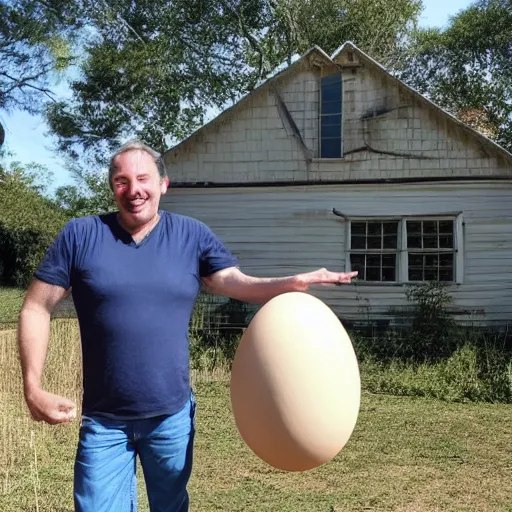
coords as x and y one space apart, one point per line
130 28
19 84
120 19
255 45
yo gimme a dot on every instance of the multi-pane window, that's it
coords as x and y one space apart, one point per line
331 116
401 250
374 248
431 251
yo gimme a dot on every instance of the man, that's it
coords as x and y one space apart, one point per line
134 275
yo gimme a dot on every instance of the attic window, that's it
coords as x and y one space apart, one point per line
330 115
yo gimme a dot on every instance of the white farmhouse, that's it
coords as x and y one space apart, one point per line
335 163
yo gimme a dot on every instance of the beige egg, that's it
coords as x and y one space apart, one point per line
295 383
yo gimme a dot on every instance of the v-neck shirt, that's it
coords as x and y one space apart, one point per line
134 302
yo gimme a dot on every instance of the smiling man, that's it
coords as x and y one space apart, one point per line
134 275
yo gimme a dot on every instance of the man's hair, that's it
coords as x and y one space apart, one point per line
137 145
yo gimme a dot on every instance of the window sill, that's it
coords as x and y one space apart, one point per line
377 283
399 284
421 283
322 160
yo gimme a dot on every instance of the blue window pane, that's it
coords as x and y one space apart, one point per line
331 148
331 93
331 107
331 120
335 78
331 131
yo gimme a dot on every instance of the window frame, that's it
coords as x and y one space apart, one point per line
402 268
321 115
396 251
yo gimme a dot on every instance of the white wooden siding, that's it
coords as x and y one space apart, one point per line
286 230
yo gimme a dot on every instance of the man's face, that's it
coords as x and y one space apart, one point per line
137 187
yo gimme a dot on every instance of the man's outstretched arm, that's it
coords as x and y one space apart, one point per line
232 282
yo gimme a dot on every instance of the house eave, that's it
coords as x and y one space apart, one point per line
303 183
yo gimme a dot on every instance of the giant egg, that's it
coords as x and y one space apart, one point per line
295 383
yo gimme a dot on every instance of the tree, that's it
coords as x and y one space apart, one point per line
33 46
153 69
91 196
378 27
467 68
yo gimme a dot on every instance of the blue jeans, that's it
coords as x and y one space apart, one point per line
105 478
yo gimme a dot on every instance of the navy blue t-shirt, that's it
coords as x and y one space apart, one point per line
134 303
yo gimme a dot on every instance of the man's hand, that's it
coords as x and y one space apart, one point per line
324 276
52 409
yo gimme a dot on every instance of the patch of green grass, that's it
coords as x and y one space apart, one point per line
11 300
406 454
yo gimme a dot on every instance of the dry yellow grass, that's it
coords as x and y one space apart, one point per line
28 448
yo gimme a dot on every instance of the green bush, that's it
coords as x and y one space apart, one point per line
465 376
28 225
436 357
433 334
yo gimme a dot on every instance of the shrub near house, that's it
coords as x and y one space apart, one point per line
28 224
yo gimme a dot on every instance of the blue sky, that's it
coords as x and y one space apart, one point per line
27 137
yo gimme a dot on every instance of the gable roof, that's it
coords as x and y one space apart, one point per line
285 69
430 104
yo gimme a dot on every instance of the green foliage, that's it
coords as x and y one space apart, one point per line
424 331
433 327
378 27
471 373
151 69
91 196
433 357
28 224
467 68
436 357
11 300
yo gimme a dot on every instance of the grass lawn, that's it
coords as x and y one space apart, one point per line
11 300
405 455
